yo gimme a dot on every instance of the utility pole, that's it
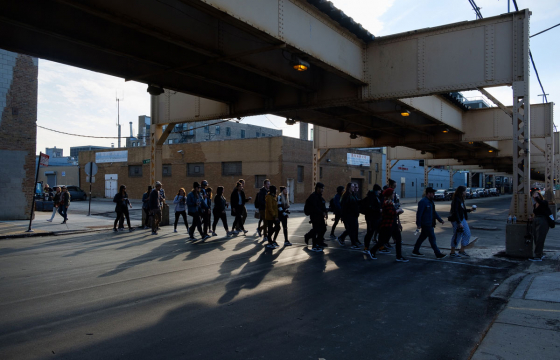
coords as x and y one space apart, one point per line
118 116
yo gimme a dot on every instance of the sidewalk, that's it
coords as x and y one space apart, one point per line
529 326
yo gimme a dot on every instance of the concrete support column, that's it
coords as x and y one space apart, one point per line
388 171
549 170
469 179
426 171
493 180
316 156
451 178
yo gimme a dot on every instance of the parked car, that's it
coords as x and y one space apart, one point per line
75 192
494 192
472 193
480 192
441 194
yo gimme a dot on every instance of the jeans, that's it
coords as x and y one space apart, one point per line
372 227
336 220
351 225
238 221
120 218
284 222
427 232
63 211
220 216
196 224
460 237
184 215
206 219
54 210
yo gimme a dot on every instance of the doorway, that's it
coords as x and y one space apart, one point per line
360 183
111 185
291 189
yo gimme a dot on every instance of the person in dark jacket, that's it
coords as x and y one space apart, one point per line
219 211
426 216
155 202
539 222
337 209
121 208
207 204
194 206
245 200
146 207
260 204
180 202
283 213
64 204
388 215
372 214
350 214
56 203
458 218
237 201
271 217
317 212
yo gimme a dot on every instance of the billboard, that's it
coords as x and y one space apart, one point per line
357 159
111 156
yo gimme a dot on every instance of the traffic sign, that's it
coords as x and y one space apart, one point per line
92 179
147 161
91 167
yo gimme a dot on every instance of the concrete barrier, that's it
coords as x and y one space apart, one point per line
515 241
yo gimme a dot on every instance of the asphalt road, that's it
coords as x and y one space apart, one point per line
134 296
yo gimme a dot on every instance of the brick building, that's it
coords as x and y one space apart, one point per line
283 160
18 133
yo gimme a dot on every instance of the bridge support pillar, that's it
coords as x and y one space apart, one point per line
157 137
388 172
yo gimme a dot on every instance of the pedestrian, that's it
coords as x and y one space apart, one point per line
209 200
146 207
388 216
540 222
260 204
336 208
155 203
317 211
237 200
206 206
284 213
121 208
426 216
219 211
56 203
245 200
271 217
350 214
194 205
396 230
458 217
180 202
372 209
64 204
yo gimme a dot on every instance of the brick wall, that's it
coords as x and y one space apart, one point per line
18 133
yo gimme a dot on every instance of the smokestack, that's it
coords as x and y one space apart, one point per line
131 130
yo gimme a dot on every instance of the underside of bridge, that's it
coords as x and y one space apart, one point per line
212 59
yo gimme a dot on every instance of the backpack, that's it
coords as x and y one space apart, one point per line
331 205
257 201
365 203
307 206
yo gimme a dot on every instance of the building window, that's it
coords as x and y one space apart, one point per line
206 128
217 132
134 170
170 141
195 169
420 162
361 172
369 177
166 170
258 134
243 134
231 168
191 131
259 180
422 185
300 174
320 172
413 183
263 134
376 167
431 185
228 131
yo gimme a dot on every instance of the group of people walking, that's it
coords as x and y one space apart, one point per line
61 201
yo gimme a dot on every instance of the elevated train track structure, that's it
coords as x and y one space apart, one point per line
214 59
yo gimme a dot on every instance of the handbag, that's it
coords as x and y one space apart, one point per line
550 221
257 214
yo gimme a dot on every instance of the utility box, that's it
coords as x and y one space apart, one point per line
516 245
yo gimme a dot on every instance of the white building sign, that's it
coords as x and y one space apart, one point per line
357 159
111 156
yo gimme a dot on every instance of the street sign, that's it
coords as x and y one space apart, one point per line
92 179
147 161
91 166
43 160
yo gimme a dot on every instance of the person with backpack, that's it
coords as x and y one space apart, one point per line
542 219
121 208
64 204
271 217
426 216
336 208
283 213
388 216
155 203
458 218
219 211
350 214
180 202
237 201
260 204
194 206
317 211
371 207
146 207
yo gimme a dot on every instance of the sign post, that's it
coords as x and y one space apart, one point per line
90 169
43 160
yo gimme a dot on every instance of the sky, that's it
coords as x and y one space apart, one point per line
78 101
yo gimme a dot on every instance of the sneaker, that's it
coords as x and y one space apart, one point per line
370 254
49 220
340 241
287 243
441 256
454 255
154 232
229 233
333 236
359 243
417 254
462 253
175 230
306 239
317 249
192 238
275 244
323 244
115 230
206 237
245 232
385 251
535 259
64 222
121 229
270 246
355 247
214 234
388 246
401 259
542 257
131 229
265 239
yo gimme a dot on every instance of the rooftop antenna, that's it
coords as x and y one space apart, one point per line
118 115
